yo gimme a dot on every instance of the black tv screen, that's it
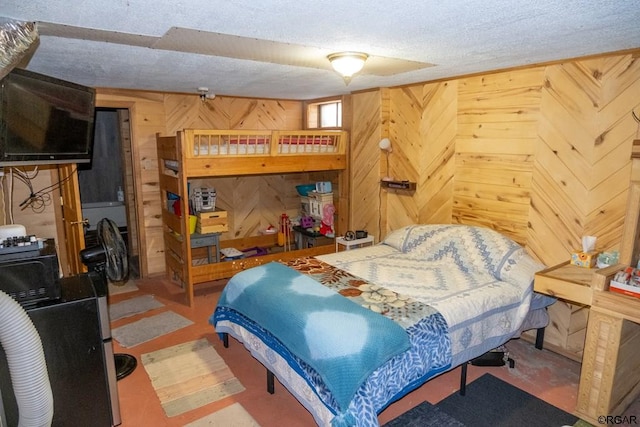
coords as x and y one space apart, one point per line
44 120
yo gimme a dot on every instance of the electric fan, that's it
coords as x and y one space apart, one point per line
109 260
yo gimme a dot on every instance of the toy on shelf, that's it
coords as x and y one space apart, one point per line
284 232
326 227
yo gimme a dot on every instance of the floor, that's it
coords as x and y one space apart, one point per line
543 373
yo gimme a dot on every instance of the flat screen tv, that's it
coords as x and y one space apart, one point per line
44 120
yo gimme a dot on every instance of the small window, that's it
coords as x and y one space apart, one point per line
324 115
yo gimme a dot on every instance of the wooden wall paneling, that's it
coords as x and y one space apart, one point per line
343 180
405 159
583 154
224 112
438 131
255 202
252 202
147 117
367 199
38 217
129 180
550 239
43 220
497 122
582 162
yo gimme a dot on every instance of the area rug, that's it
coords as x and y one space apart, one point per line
146 329
424 415
489 402
133 306
188 376
122 288
234 415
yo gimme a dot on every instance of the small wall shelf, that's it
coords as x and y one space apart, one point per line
398 185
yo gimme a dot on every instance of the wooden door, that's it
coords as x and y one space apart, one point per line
72 217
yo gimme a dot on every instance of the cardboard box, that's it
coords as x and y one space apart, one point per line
212 222
625 289
584 259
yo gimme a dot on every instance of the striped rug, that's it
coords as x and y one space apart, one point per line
234 415
188 376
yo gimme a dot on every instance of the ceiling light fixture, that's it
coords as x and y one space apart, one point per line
347 63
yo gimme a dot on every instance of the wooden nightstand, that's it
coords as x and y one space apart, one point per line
610 366
566 281
356 243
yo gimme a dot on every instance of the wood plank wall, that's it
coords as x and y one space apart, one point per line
147 117
540 154
38 218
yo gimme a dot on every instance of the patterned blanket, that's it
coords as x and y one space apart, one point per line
429 355
457 291
309 319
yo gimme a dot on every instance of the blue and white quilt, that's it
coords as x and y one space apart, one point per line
457 291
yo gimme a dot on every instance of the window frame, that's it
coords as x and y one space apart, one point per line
313 112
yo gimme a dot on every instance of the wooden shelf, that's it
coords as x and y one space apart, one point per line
398 185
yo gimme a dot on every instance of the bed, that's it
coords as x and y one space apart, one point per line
454 292
242 152
208 153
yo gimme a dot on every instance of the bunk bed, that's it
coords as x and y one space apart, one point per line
207 153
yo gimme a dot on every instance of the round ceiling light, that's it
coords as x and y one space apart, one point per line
347 63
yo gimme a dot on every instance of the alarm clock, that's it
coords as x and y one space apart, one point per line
361 234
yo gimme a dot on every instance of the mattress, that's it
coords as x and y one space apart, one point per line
257 149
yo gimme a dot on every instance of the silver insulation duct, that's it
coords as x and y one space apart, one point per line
15 40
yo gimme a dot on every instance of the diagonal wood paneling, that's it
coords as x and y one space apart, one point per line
366 169
438 130
405 107
582 167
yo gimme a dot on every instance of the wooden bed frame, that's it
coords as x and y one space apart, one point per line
194 153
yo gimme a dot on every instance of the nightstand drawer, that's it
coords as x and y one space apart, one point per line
567 282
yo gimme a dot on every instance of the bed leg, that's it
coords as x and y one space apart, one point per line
463 378
539 338
270 385
225 339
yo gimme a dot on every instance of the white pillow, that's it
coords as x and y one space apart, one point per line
397 238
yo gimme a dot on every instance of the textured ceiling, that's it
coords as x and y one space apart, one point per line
277 49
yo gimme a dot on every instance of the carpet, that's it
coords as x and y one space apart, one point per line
234 415
489 402
146 329
426 415
189 375
133 306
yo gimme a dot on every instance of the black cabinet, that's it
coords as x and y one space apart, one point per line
76 339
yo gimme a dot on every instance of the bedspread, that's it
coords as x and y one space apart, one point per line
458 291
480 280
310 322
429 355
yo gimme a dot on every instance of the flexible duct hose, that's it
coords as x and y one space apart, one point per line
27 364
